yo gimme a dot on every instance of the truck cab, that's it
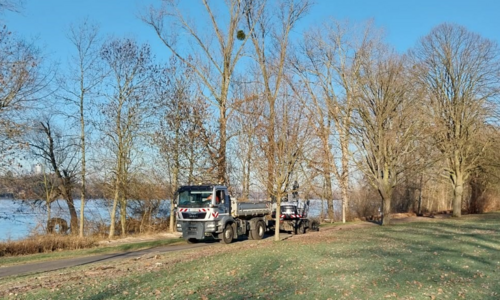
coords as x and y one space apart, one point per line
200 210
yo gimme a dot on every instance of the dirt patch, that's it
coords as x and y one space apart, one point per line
140 239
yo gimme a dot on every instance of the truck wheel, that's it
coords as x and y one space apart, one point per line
192 241
301 229
259 231
227 234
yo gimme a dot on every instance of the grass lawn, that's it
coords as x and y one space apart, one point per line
443 259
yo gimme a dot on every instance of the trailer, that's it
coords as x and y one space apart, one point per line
208 211
294 217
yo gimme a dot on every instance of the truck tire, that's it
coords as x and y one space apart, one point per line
302 228
192 241
227 234
259 231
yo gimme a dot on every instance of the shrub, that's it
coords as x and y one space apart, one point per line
45 243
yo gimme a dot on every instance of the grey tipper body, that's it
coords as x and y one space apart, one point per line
208 211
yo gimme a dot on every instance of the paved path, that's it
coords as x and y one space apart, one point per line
80 261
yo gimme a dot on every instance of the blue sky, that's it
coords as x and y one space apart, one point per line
404 21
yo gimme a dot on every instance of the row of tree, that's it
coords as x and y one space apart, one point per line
248 101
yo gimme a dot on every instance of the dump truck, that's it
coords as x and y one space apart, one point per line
208 211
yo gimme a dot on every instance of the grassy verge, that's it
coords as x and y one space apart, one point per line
445 259
12 260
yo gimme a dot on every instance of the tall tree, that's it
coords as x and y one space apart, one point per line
79 85
125 112
271 62
386 124
213 62
459 70
181 119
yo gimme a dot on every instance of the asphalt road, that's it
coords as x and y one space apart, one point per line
33 268
80 261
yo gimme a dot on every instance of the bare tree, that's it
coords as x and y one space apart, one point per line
11 5
59 151
459 70
330 71
79 85
125 112
213 62
386 124
250 109
271 63
21 82
179 136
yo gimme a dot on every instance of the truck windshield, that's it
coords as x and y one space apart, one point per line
194 198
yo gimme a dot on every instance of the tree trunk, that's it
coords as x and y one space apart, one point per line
386 211
221 159
48 216
344 193
271 151
123 215
246 172
385 192
73 215
458 190
344 175
277 219
175 180
113 210
327 169
82 141
328 195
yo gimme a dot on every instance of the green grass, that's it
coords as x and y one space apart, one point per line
13 260
445 259
338 224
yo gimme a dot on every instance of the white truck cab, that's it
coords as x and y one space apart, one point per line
208 211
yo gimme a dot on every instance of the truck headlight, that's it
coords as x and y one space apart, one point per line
210 226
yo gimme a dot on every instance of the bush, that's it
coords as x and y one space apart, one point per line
44 244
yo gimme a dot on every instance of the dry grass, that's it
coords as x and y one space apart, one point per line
46 243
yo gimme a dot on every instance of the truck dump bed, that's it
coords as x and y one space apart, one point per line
250 209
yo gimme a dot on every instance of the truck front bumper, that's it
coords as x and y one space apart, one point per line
196 230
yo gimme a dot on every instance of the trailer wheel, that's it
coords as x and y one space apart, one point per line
259 231
227 234
314 225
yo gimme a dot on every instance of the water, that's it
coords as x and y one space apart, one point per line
19 219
